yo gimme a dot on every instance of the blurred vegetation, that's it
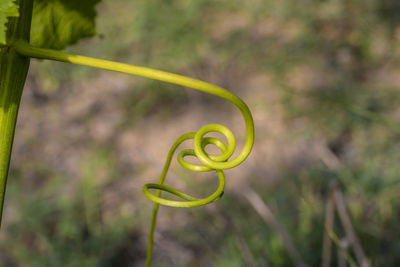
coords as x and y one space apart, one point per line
335 66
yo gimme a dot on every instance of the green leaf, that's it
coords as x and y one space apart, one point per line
58 23
7 9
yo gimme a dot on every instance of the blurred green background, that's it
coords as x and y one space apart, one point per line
322 78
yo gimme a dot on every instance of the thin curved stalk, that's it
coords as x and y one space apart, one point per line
216 163
27 50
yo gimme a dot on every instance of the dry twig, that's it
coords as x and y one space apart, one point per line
266 214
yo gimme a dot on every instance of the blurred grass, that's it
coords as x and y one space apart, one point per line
334 66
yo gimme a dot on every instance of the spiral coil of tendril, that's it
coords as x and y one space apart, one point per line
200 142
217 163
211 162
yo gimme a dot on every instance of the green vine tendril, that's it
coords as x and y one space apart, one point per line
216 163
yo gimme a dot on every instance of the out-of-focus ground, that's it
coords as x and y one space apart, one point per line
322 79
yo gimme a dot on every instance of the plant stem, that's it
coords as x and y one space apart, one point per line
13 71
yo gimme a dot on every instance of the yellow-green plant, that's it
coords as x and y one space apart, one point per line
15 53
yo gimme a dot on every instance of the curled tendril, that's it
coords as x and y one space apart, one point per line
217 163
199 142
